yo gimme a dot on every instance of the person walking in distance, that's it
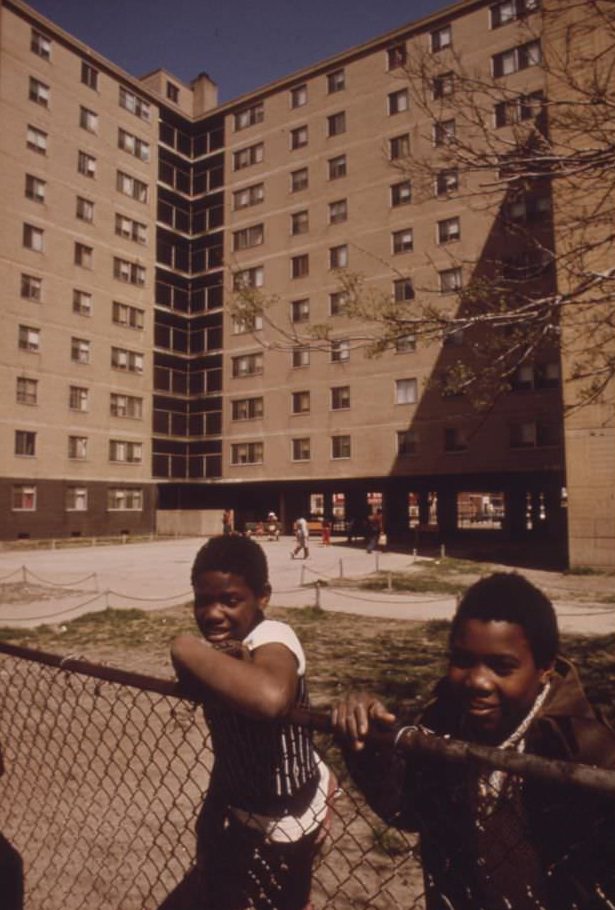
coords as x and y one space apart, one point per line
302 535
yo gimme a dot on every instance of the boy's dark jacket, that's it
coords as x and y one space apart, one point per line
541 846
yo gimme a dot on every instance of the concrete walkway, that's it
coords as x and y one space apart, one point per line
155 575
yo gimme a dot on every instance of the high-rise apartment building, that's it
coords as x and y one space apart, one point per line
136 209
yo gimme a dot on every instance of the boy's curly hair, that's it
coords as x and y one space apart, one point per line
509 597
235 555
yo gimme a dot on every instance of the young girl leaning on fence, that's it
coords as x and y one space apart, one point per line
490 840
267 802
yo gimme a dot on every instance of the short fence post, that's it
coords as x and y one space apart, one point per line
341 568
53 543
23 575
413 554
389 581
317 605
377 561
442 551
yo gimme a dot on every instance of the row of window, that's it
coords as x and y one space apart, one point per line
37 140
123 451
396 56
83 303
119 499
29 339
524 435
120 404
123 269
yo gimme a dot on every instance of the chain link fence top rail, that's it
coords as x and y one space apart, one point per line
105 773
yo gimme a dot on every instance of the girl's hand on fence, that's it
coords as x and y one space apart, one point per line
359 712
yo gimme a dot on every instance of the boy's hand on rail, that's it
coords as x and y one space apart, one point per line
355 715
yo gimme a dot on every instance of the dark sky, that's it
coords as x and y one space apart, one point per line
242 44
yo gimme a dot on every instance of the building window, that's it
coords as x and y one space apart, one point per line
40 45
86 164
298 96
300 310
441 37
300 356
534 434
340 447
80 350
336 124
336 81
401 193
133 145
299 222
338 211
515 110
299 180
36 140
23 498
130 229
517 58
78 398
403 290
78 447
35 188
405 391
39 92
337 303
536 376
450 280
250 195
300 402
444 132
508 10
129 272
247 323
247 408
84 256
25 443
249 278
123 450
172 93
398 101
135 105
340 350
447 181
82 302
249 116
455 439
88 120
122 359
405 344
76 499
125 406
396 56
124 499
247 453
132 187
89 75
301 449
246 157
443 85
300 266
448 230
84 209
337 167
402 241
130 316
299 137
29 339
528 209
338 257
248 237
340 398
407 442
399 147
33 238
31 288
247 365
27 390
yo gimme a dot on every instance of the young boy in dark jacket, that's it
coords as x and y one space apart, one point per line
489 840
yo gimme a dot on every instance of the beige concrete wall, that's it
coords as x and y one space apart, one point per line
192 522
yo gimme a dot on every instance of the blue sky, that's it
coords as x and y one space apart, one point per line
242 44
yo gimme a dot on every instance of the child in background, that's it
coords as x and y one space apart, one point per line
263 814
489 840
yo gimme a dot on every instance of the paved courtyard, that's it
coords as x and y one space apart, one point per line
64 583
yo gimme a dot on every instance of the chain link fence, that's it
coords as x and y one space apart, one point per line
105 773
